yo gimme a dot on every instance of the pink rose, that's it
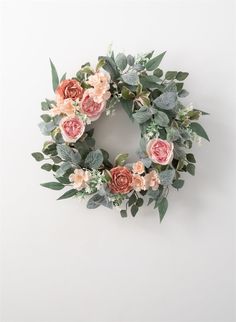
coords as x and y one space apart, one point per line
72 128
160 151
91 108
69 88
138 167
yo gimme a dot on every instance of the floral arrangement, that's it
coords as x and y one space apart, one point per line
151 98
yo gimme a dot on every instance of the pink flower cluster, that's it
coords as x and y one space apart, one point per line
72 98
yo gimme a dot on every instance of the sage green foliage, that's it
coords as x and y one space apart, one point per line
153 99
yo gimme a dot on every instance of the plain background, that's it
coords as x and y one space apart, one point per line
64 263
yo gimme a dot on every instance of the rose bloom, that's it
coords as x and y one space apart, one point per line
138 167
79 178
121 180
69 88
72 128
152 180
160 151
64 107
91 108
138 182
101 84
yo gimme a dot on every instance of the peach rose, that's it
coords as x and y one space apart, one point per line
64 107
138 167
160 151
79 178
138 182
121 180
152 180
69 88
72 128
91 108
101 83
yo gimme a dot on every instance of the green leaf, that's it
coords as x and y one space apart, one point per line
68 154
183 93
53 185
179 86
161 119
94 159
63 168
130 60
47 128
162 207
158 72
142 116
131 78
47 167
170 75
63 77
154 62
178 183
199 130
127 94
132 199
190 157
68 194
121 159
128 107
55 79
123 213
46 118
191 168
181 76
38 156
134 210
167 177
139 202
166 101
150 81
97 200
121 61
110 67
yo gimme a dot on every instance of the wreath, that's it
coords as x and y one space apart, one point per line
168 128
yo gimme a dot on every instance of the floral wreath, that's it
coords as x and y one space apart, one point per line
153 100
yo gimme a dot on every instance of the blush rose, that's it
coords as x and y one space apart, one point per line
91 108
160 151
72 128
121 180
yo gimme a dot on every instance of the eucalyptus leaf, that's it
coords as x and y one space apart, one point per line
142 116
166 177
121 61
166 101
181 76
154 62
38 156
94 159
130 78
161 119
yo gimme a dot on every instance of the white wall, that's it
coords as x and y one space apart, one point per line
64 263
